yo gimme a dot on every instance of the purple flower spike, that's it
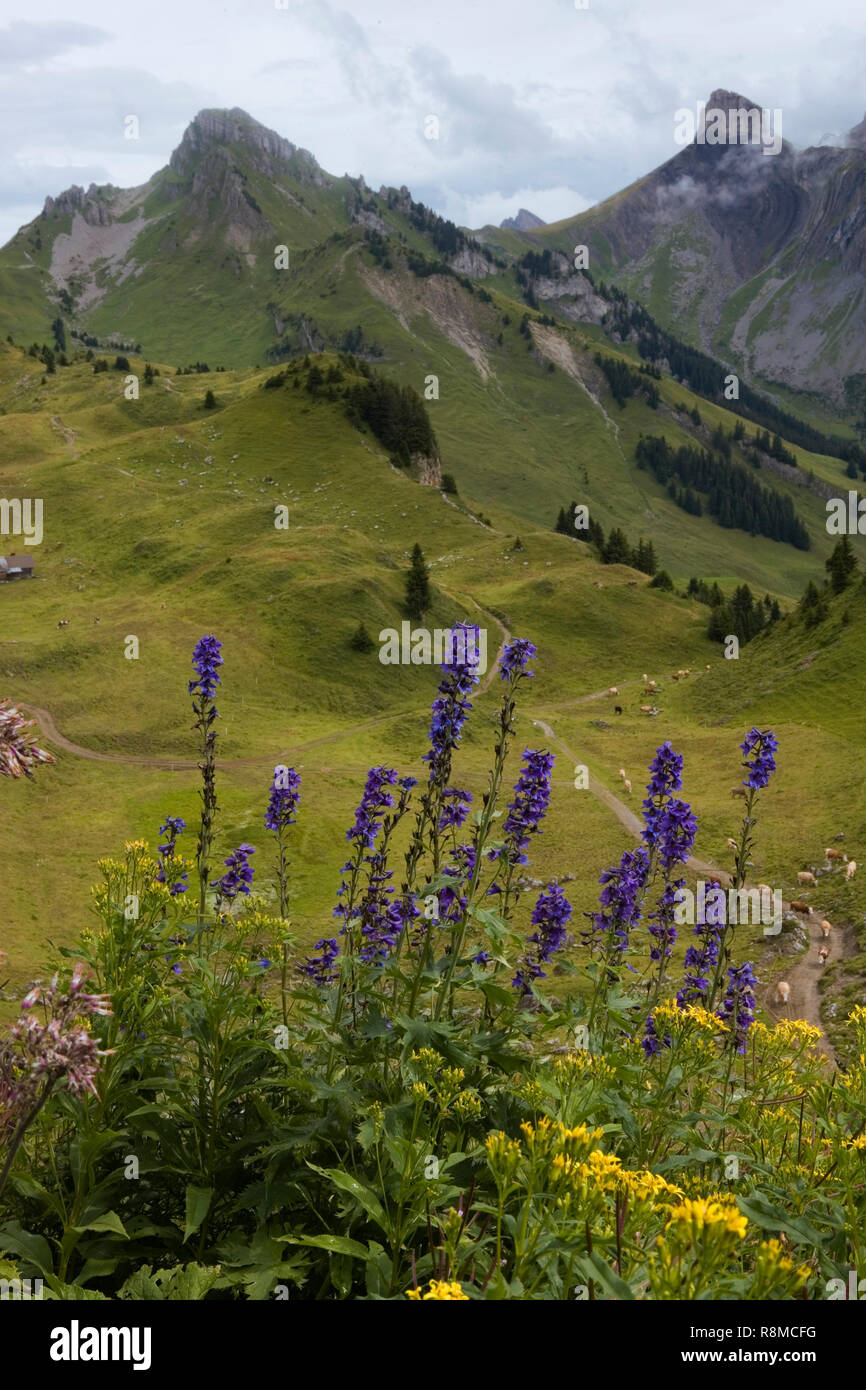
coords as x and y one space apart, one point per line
515 659
206 659
284 798
239 874
760 745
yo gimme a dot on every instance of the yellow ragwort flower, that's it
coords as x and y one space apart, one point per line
441 1291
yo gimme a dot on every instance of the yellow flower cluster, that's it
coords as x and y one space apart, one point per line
440 1290
699 1215
580 1066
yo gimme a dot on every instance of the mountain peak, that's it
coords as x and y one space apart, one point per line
722 100
213 126
525 221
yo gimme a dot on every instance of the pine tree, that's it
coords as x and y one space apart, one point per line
617 550
841 565
361 641
209 400
418 597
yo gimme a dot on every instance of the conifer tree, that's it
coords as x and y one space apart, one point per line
418 597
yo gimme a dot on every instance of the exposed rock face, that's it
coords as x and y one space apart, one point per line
572 296
365 218
214 129
523 222
426 470
470 262
92 205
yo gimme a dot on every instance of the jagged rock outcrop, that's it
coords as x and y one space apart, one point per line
525 221
215 129
92 205
426 470
471 262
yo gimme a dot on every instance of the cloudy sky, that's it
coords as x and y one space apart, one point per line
542 105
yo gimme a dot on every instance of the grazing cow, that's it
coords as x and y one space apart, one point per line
738 791
783 992
645 709
823 953
627 785
799 906
833 854
613 690
707 667
597 585
617 709
826 929
621 773
805 877
675 675
732 844
851 869
644 677
650 688
631 584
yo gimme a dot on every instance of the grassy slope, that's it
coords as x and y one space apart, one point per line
286 603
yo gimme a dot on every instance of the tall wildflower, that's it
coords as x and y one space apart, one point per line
513 670
550 917
373 907
525 814
701 961
37 1057
738 1005
206 662
620 901
669 834
443 807
19 755
281 811
169 871
237 879
282 804
320 968
759 749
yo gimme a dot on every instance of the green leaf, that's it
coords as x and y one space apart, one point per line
496 994
33 1248
71 1292
337 1245
198 1200
362 1194
109 1221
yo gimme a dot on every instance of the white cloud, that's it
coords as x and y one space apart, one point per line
537 105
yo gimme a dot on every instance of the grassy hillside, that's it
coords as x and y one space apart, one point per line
159 522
